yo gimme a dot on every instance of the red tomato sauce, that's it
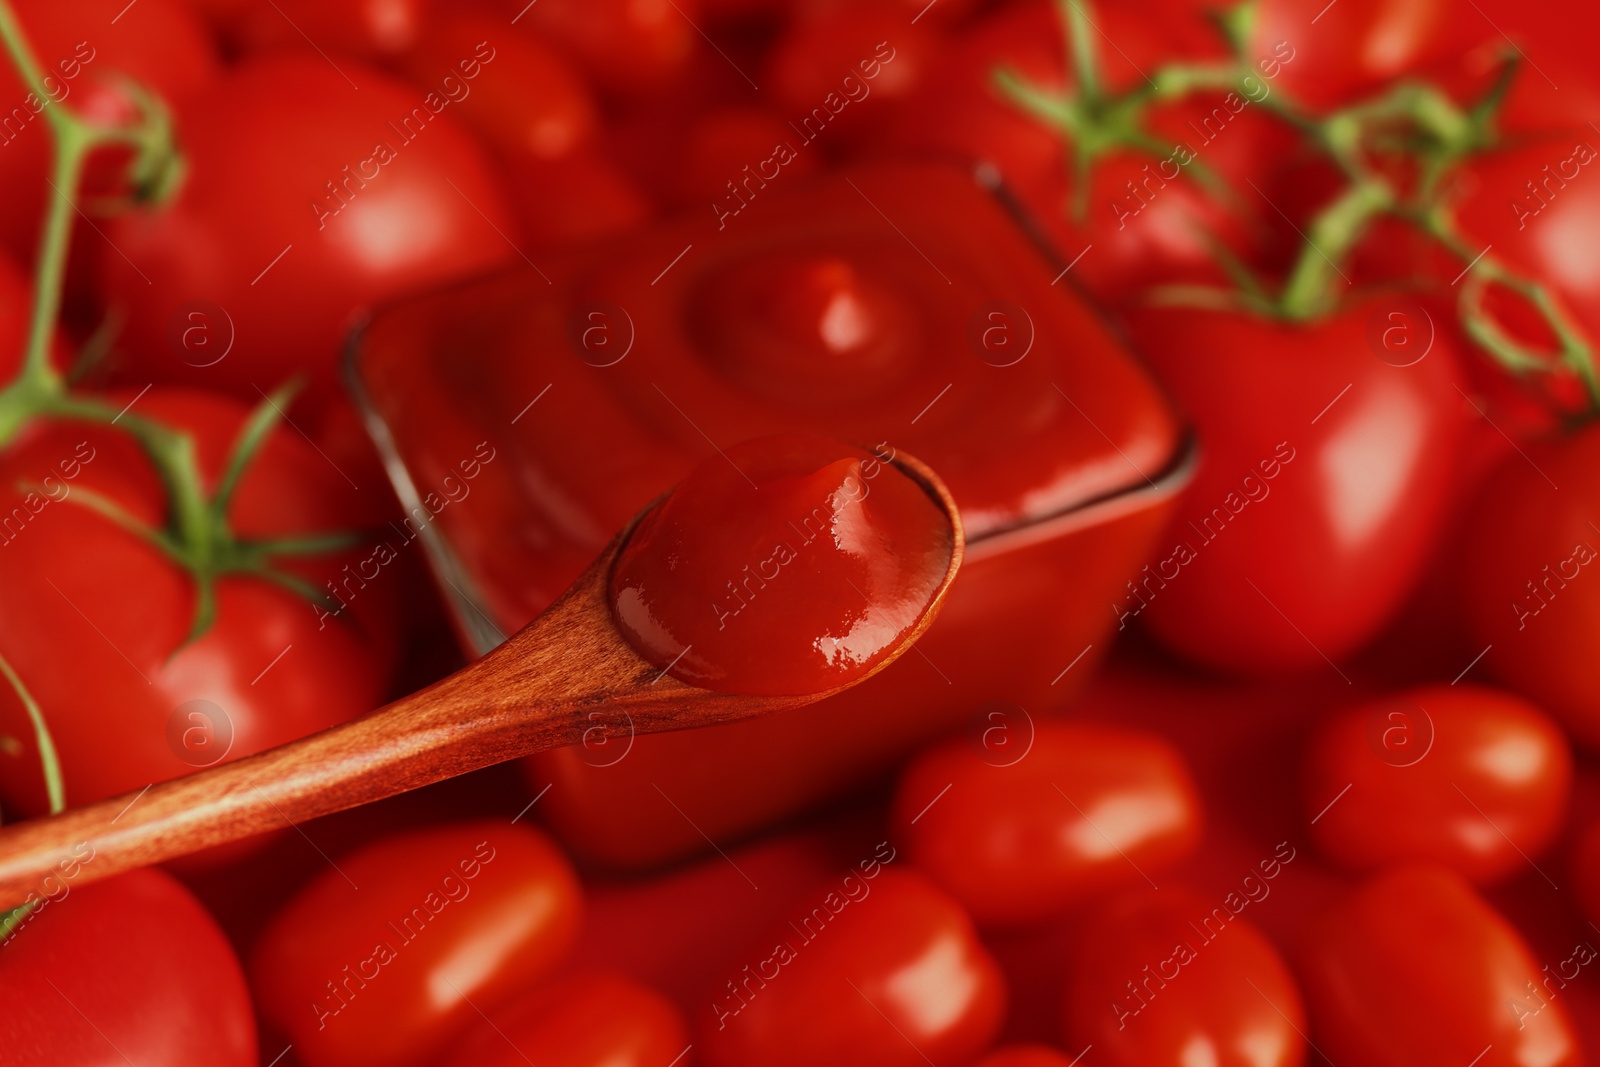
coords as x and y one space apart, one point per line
790 564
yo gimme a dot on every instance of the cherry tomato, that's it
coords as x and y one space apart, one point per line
1346 49
1144 217
883 970
580 198
1324 480
16 320
1414 968
1472 778
313 189
128 970
846 70
371 29
629 47
383 957
1165 979
1532 206
727 146
1530 541
530 101
95 617
1017 836
87 50
585 1020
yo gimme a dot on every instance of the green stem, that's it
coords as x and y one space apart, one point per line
1333 234
1574 350
73 146
49 762
1081 47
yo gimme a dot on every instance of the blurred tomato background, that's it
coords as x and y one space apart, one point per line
1258 345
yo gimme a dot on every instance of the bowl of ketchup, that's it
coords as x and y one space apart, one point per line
901 307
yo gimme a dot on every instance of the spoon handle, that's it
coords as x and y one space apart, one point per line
564 674
450 728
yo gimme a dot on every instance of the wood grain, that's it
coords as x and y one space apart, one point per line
568 674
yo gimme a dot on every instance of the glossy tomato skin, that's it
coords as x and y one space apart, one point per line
430 207
358 968
128 970
846 71
531 102
1472 778
721 144
371 29
628 47
1535 205
1530 541
84 58
1414 968
1163 974
1351 49
16 320
882 963
1324 478
1086 809
581 197
95 617
598 1019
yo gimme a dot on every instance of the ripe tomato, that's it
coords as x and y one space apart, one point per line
381 959
1085 809
1349 48
629 47
531 102
1324 478
845 71
1535 206
726 146
676 931
372 29
1164 980
128 970
16 319
86 51
1472 778
884 970
94 617
305 200
1144 217
1414 969
585 1020
1530 602
582 197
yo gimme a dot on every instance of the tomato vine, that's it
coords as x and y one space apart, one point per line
1443 134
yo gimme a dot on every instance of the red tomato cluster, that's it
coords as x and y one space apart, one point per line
1324 793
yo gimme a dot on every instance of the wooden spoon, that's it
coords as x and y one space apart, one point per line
566 675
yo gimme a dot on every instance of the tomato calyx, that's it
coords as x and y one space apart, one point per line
1412 126
199 538
196 534
1094 121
